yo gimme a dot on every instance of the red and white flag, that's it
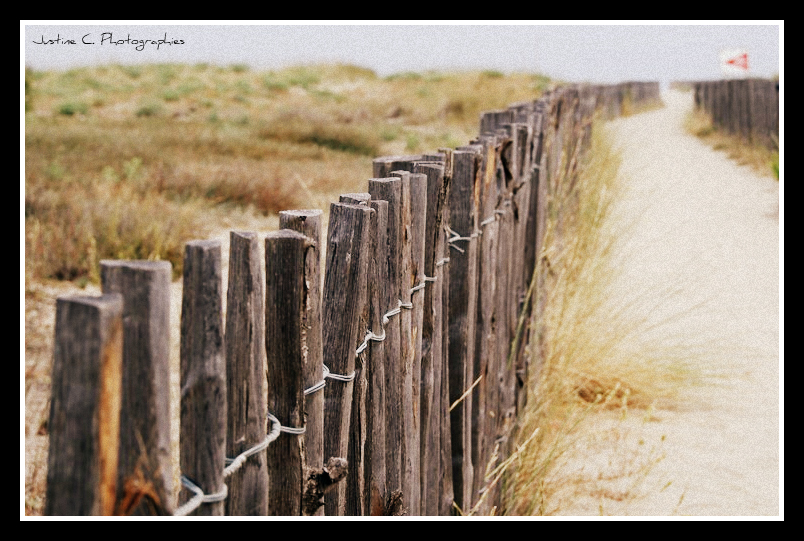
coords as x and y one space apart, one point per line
734 63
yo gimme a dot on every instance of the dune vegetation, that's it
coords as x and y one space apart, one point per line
132 161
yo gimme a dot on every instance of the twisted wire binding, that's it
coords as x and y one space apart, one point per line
385 320
488 221
369 336
236 463
455 236
417 288
339 377
286 429
233 464
195 502
320 385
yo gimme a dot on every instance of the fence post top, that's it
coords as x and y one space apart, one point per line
302 212
399 158
343 204
244 234
286 234
141 264
99 301
205 243
388 179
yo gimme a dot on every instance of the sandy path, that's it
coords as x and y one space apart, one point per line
706 235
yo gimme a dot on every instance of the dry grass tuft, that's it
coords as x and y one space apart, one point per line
763 160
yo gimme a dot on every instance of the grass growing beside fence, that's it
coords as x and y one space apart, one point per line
127 161
595 359
761 159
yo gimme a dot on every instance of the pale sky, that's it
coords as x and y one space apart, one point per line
597 52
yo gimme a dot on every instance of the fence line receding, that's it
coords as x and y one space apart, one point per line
394 375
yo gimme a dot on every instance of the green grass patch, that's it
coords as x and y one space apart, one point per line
492 74
775 165
149 109
171 95
302 76
404 76
73 108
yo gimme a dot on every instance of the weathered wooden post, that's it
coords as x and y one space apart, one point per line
145 476
375 497
754 111
413 214
345 320
485 366
308 222
358 434
203 380
463 205
506 285
447 489
286 352
414 197
545 214
85 406
533 232
384 166
245 376
773 106
432 347
532 226
390 190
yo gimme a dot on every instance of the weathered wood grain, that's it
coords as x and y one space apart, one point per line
308 222
432 336
384 166
413 216
530 242
541 262
484 397
358 433
245 375
145 471
286 347
463 207
85 406
446 490
375 495
345 319
390 189
203 374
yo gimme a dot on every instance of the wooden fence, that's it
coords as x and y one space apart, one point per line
747 108
388 384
